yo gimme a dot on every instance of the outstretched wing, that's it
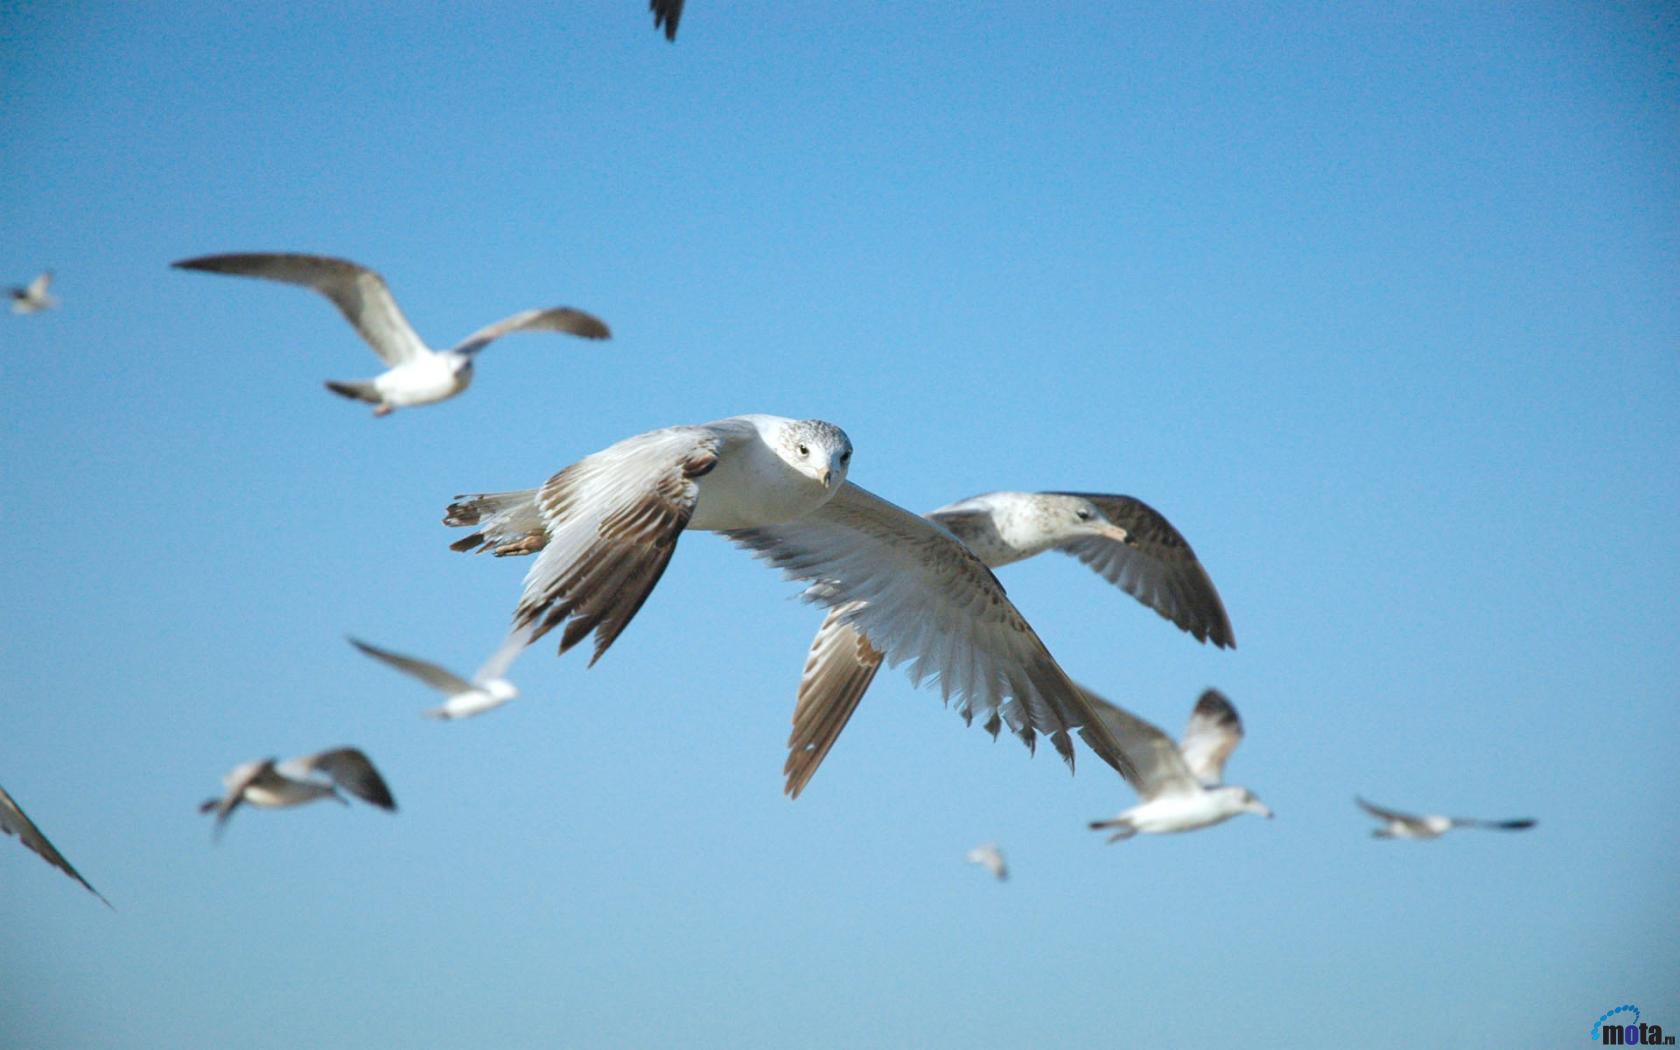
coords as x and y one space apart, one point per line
38 290
1387 814
1155 565
922 597
359 293
556 319
1158 766
1496 825
612 520
351 770
430 673
1213 733
13 821
838 671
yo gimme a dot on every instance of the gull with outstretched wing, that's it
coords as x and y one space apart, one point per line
417 374
272 784
1397 825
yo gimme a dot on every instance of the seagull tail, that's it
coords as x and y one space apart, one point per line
355 390
1123 828
508 522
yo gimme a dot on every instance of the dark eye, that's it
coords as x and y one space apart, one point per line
1084 515
804 450
846 457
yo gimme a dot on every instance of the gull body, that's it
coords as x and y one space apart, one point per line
487 690
990 858
418 375
605 528
1398 825
271 784
1121 538
1179 784
33 297
13 821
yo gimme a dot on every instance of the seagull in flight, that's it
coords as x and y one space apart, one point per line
32 298
417 374
488 690
990 858
272 784
1179 784
1122 539
13 821
604 528
1397 825
666 15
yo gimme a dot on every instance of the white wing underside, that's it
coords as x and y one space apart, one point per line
924 599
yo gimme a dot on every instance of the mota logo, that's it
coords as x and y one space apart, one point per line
1607 1033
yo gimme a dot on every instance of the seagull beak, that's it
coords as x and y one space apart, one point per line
827 476
1113 532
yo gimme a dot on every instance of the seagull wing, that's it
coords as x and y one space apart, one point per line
1387 814
38 290
1159 767
613 519
557 319
351 770
359 293
438 678
838 671
499 661
925 598
666 14
13 821
1497 825
240 778
1213 733
1155 565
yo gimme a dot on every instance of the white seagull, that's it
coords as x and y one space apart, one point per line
990 858
488 690
1398 825
13 821
1179 784
272 784
418 375
1126 541
32 298
606 527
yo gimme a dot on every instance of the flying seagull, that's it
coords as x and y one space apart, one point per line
1179 784
607 526
1429 826
418 375
272 784
1126 541
666 14
33 298
13 821
488 690
990 858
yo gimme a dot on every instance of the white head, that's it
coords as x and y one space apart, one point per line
1242 800
821 451
501 689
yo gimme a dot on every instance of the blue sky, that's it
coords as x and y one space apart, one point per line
1379 305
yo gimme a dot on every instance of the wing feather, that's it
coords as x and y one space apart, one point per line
360 294
1214 731
1160 768
351 770
838 671
925 600
13 821
556 319
1155 565
437 677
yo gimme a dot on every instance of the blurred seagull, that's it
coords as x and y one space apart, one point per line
33 298
990 858
418 375
273 784
487 691
13 821
607 525
666 14
1413 826
1179 784
1123 539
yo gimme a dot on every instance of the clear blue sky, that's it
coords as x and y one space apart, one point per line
1381 306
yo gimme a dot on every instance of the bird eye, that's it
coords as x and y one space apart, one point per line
846 456
1084 515
804 450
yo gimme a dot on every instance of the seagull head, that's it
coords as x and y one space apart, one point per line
1078 516
819 450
